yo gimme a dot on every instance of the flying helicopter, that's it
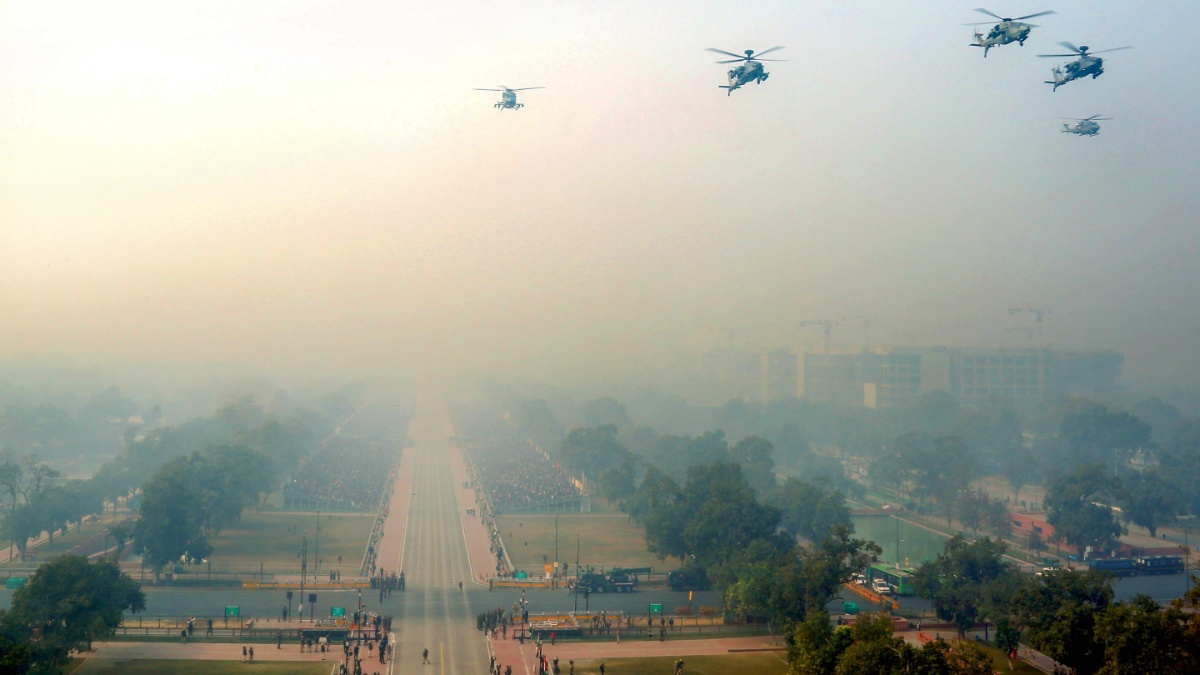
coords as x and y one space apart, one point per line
1085 126
1086 64
751 69
1008 30
508 99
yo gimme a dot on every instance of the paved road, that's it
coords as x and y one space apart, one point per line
434 613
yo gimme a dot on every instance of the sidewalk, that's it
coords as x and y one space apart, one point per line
479 540
522 657
199 651
390 547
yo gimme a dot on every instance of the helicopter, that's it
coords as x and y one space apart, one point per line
508 99
1008 30
1086 64
1085 126
751 69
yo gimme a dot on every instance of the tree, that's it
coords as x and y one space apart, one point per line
170 525
1019 467
809 510
1059 611
968 581
1150 501
1076 511
616 482
868 646
605 410
591 450
1139 636
753 453
1094 434
70 602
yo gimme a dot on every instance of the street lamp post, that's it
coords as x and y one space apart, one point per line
555 568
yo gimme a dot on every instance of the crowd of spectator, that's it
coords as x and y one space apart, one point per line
515 476
346 475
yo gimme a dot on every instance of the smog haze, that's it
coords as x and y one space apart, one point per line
316 187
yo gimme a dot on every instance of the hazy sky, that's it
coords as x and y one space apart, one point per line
314 185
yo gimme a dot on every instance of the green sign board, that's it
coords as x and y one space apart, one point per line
656 609
337 611
232 610
520 575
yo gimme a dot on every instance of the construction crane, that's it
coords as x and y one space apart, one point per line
1039 314
826 324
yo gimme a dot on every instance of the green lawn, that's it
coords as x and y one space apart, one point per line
606 540
274 539
65 542
753 663
179 667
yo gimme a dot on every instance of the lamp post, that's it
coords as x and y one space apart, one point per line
303 572
555 568
1187 555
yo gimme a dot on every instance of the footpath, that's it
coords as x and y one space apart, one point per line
475 532
204 651
523 658
389 548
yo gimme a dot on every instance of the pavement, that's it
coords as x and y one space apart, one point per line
524 660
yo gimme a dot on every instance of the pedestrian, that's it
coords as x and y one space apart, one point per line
551 637
425 656
572 664
243 653
210 628
601 668
279 644
183 636
252 655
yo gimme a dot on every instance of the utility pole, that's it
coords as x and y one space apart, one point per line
303 572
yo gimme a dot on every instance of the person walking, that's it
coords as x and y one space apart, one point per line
425 656
243 653
252 655
279 644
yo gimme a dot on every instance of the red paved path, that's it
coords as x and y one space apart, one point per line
523 661
391 545
483 561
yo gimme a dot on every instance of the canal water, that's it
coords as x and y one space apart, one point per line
916 543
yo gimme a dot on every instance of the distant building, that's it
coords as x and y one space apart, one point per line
894 376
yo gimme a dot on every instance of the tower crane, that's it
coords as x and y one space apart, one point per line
825 324
1039 314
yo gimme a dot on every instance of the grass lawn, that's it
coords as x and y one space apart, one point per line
274 539
753 663
180 667
606 540
65 542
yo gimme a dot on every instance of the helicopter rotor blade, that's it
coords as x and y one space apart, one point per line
1114 49
722 51
766 51
1030 16
1056 56
1072 47
734 61
984 11
478 89
527 88
981 23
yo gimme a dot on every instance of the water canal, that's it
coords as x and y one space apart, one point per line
916 543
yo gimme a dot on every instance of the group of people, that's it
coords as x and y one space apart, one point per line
518 478
346 475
